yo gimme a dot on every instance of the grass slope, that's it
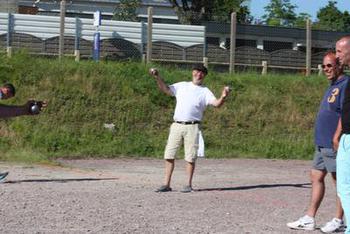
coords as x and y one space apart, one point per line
266 116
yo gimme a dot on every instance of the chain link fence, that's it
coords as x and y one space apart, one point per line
277 48
255 46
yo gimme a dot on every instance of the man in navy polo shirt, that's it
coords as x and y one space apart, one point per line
326 141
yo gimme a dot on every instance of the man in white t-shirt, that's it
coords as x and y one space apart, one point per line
192 98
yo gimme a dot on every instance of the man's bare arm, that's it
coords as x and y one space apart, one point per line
7 111
221 100
13 111
337 135
161 84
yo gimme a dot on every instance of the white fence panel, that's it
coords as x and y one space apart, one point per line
3 23
183 35
45 27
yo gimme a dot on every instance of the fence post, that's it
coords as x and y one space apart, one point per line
61 37
264 68
149 34
308 47
77 39
233 41
97 36
205 50
9 36
205 61
142 44
320 70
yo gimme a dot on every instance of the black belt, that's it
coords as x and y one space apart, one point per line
319 148
188 122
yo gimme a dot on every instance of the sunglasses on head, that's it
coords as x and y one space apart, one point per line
327 65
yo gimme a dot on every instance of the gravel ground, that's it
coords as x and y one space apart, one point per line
117 196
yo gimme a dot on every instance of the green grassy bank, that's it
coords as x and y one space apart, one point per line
266 116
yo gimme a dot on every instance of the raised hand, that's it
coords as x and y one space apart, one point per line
153 72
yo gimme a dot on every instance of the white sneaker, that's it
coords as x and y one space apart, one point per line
3 176
332 225
304 223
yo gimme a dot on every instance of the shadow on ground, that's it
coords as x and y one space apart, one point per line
304 185
56 180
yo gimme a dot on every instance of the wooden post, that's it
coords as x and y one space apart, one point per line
61 37
77 55
264 68
320 70
9 36
205 51
205 62
9 51
77 39
233 41
308 47
149 34
143 43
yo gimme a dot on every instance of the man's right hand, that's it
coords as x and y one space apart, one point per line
226 90
335 145
41 105
153 72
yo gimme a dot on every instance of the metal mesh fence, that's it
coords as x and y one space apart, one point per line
3 41
119 49
167 51
26 41
278 47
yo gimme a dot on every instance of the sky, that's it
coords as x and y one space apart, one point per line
308 6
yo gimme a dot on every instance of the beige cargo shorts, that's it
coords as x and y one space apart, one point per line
186 133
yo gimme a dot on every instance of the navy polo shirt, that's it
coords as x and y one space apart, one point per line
329 112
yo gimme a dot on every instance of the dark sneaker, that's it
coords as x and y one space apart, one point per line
3 176
163 189
187 189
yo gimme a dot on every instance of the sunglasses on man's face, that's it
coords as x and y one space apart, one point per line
327 65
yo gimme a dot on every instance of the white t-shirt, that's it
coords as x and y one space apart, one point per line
191 101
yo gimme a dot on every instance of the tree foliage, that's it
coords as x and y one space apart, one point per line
222 10
280 13
300 21
331 18
196 11
127 10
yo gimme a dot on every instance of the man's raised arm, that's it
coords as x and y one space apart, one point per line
161 84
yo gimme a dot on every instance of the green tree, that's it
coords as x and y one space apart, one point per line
280 13
196 11
332 19
126 10
346 21
222 9
300 21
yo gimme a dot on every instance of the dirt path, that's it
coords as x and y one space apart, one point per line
117 196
